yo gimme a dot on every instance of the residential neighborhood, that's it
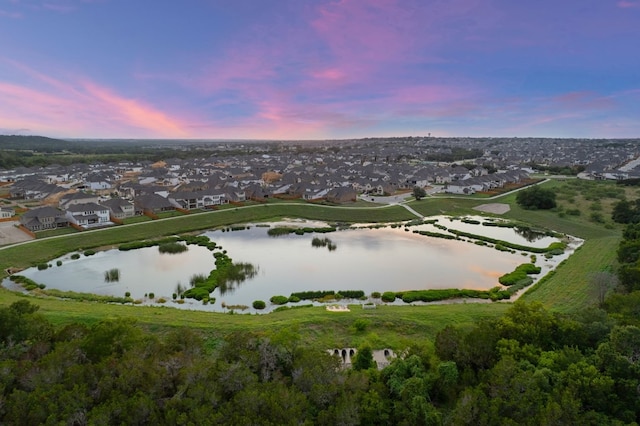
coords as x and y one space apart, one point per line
339 172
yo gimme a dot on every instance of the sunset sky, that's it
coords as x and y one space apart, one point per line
319 69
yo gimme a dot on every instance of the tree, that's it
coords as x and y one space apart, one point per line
363 359
419 193
602 282
536 198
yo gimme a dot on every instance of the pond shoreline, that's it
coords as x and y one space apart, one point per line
547 266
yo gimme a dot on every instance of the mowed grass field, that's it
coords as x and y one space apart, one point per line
567 291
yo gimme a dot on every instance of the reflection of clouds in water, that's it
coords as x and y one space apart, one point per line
485 272
168 262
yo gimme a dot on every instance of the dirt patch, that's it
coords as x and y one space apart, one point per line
495 208
10 234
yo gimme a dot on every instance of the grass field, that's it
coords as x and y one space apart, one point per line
568 290
388 326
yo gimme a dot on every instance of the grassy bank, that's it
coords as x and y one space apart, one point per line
570 289
387 326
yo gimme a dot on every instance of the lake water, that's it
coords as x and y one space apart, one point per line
386 259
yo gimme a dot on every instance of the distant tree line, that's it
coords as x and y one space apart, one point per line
38 151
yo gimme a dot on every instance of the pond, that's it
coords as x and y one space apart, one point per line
385 259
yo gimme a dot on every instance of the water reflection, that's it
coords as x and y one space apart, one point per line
240 273
371 260
529 234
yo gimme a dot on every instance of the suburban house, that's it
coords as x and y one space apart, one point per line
190 200
98 182
341 195
88 215
460 187
119 208
33 189
6 213
79 197
152 204
44 218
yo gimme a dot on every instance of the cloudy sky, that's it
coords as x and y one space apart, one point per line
318 69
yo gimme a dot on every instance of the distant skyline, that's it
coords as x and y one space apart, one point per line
319 69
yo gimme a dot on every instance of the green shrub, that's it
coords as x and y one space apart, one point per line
294 299
172 248
310 295
59 263
279 300
376 295
89 252
521 273
360 324
42 266
259 304
152 295
388 296
75 256
352 294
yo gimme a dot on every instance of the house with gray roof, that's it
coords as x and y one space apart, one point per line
44 218
119 208
88 215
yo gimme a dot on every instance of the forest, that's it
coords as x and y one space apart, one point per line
529 367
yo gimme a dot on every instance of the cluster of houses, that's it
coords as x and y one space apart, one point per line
90 195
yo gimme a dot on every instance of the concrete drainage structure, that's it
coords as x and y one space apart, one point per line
382 357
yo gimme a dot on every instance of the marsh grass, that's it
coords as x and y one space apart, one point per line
112 275
172 248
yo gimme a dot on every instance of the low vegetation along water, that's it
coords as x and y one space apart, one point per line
368 259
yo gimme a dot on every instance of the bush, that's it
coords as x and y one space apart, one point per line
152 295
360 324
172 248
309 295
259 304
522 272
127 294
89 252
294 299
388 296
279 300
42 266
75 256
59 263
376 295
536 198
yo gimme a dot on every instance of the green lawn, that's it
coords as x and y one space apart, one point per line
570 290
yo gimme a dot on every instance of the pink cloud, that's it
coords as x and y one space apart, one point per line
13 15
583 100
136 113
628 4
81 108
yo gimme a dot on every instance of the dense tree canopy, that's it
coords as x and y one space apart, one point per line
536 198
529 367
